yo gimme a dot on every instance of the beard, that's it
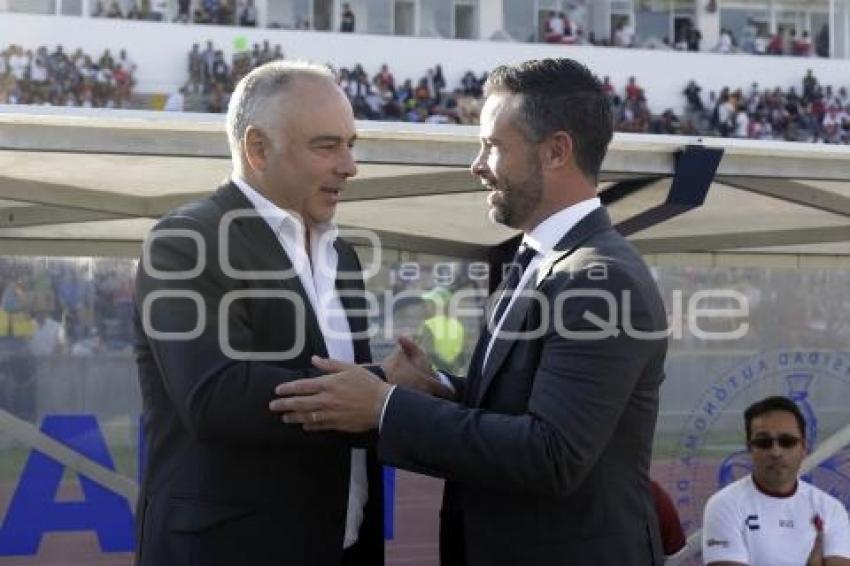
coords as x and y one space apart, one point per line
512 204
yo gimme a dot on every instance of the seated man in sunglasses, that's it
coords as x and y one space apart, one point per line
771 518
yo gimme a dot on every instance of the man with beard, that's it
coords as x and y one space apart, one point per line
545 446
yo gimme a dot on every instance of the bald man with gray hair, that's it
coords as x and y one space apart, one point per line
234 294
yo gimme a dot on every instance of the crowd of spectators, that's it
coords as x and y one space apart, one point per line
219 12
787 41
212 79
373 97
559 28
815 113
58 79
64 308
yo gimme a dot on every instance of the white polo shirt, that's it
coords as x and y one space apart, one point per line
743 524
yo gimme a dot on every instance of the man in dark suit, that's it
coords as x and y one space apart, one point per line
546 446
234 293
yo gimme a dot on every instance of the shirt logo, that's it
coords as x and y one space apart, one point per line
752 522
714 542
786 523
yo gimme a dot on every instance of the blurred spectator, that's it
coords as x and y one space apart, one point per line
114 10
384 81
88 346
248 14
49 336
207 60
725 44
749 37
694 39
438 82
668 123
694 100
802 47
633 91
822 42
810 83
623 36
176 101
158 11
472 86
553 28
196 68
182 11
774 46
347 20
220 69
609 91
126 63
742 122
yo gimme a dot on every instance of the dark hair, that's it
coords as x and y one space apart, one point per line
772 405
560 95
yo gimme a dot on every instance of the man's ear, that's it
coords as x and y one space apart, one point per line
558 151
257 147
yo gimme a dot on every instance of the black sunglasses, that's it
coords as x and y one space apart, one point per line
785 441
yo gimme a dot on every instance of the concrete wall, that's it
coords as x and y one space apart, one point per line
160 51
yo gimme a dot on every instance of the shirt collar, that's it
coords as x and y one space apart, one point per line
546 235
280 218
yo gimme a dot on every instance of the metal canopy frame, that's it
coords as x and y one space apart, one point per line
91 182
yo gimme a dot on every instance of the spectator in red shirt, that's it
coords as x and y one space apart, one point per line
803 46
775 45
632 89
607 87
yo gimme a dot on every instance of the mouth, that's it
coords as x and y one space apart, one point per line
333 192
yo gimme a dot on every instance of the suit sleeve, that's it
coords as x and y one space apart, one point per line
218 398
580 390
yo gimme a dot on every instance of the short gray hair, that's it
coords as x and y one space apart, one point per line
250 102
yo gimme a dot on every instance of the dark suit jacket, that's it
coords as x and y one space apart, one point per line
226 481
547 456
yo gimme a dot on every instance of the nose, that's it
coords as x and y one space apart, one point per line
478 166
347 166
775 451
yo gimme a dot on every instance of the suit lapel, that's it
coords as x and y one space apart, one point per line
596 221
267 254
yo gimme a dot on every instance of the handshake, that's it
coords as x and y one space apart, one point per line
351 398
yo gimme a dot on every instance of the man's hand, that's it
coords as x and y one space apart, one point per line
408 366
348 399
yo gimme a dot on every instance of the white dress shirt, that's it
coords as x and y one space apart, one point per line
543 239
317 273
